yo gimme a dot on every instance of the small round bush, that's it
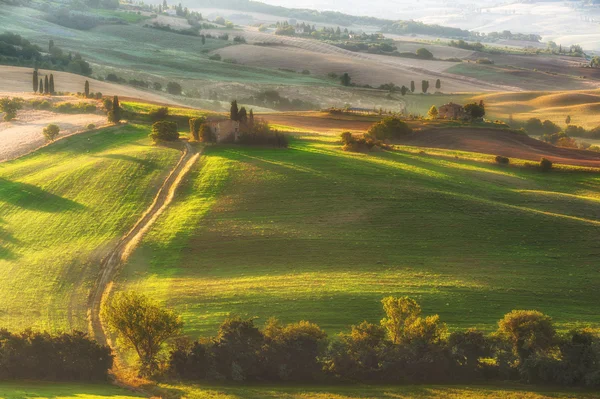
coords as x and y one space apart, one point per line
164 131
51 132
502 160
91 126
545 164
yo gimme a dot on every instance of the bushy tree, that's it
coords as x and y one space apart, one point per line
10 107
51 132
528 331
403 90
424 54
389 128
242 115
143 325
159 114
174 88
467 347
401 312
545 164
475 111
164 131
433 112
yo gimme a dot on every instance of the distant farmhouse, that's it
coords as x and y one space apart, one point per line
225 129
452 111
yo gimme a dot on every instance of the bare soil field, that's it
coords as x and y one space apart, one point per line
24 134
18 80
500 142
320 122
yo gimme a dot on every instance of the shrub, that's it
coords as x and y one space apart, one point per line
260 133
502 160
164 131
98 96
206 134
159 114
424 54
51 132
389 128
10 107
305 72
91 126
545 164
174 88
215 57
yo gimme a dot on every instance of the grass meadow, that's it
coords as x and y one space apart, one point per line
49 390
60 209
316 233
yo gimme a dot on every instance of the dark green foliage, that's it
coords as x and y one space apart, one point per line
345 79
528 331
174 88
424 54
35 81
363 143
502 160
424 86
51 132
86 89
403 90
389 128
438 84
475 111
10 107
272 99
242 115
206 134
164 131
51 84
195 125
46 85
41 86
63 357
157 86
545 164
233 111
115 113
412 86
260 133
159 114
71 108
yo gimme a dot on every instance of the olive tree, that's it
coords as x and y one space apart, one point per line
142 325
51 132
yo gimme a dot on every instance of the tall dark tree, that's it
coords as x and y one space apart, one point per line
203 39
41 86
403 90
345 79
35 81
114 115
46 85
243 115
50 45
251 118
425 86
438 84
87 88
233 111
51 83
412 86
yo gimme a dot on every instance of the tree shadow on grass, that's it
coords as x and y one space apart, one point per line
6 238
28 196
146 163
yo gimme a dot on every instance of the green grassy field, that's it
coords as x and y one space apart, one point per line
60 209
315 233
369 392
48 390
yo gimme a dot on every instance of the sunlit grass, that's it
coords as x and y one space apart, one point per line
316 233
60 210
49 390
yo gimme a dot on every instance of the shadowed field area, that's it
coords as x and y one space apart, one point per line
315 233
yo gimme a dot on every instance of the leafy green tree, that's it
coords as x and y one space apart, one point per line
595 62
51 132
10 107
475 111
51 84
234 111
237 349
389 128
345 79
114 115
164 131
403 90
433 112
412 86
467 347
35 81
401 312
86 88
528 331
143 325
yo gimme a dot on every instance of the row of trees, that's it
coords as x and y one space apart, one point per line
43 86
405 347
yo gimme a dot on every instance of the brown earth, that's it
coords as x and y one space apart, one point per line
500 142
321 122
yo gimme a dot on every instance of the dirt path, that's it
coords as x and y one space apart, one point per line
118 255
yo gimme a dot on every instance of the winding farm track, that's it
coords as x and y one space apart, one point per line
118 255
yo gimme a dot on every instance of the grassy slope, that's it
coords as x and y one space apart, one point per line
315 233
372 392
48 390
59 210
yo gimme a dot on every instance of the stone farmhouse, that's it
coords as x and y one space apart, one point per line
452 111
225 130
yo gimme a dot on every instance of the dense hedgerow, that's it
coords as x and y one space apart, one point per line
42 356
406 347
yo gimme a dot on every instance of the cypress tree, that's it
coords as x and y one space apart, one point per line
242 115
203 39
233 111
35 81
114 115
412 86
251 118
438 84
41 86
87 89
46 85
51 82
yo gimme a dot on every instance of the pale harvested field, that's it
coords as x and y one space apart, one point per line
322 58
18 79
24 134
173 22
